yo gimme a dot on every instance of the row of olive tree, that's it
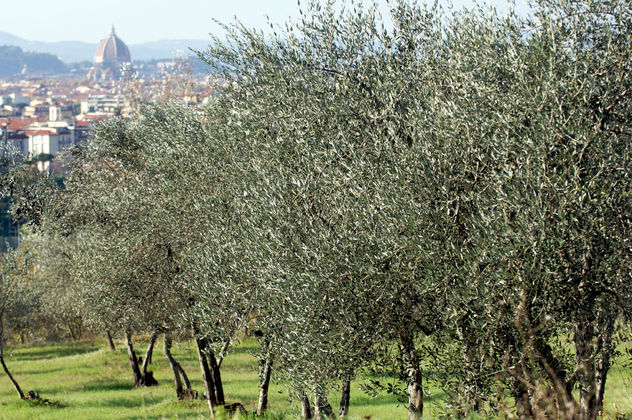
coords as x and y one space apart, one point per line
465 177
454 189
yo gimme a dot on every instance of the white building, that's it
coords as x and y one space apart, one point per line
59 112
18 98
102 103
14 99
48 140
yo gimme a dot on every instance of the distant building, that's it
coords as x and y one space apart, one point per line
48 140
101 103
18 98
17 123
60 112
110 55
14 99
38 111
19 140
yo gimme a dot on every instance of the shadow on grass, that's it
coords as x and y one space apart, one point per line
49 352
106 385
38 371
247 347
385 399
145 416
131 400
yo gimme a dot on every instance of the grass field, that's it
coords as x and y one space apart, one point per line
91 382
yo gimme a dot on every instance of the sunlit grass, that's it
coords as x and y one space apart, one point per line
92 382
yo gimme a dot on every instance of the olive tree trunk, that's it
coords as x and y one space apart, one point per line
322 409
207 377
306 410
584 353
140 379
520 392
215 372
133 360
179 375
4 366
265 372
603 363
344 398
108 335
148 353
75 327
410 358
222 352
174 365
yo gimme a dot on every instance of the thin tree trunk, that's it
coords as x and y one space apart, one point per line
413 377
603 364
322 409
265 373
207 377
562 388
141 376
133 360
524 409
173 364
6 370
344 398
584 352
75 327
217 376
318 412
108 335
470 383
222 352
306 410
149 352
178 372
4 366
537 349
185 378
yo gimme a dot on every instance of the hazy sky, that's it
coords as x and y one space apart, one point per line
139 21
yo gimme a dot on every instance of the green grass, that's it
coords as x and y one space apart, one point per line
85 380
92 382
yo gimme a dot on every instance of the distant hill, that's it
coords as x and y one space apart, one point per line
13 60
67 51
73 51
166 48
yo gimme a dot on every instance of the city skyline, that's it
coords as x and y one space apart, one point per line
144 21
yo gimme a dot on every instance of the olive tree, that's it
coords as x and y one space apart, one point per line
17 298
95 227
191 168
472 168
148 208
543 102
333 115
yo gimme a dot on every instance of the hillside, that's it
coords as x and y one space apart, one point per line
13 61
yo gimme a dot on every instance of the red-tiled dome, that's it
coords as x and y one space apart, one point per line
112 50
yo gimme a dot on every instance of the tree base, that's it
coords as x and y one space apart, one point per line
188 394
32 395
146 381
235 409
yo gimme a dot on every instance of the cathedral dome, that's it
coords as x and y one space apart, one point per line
112 50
